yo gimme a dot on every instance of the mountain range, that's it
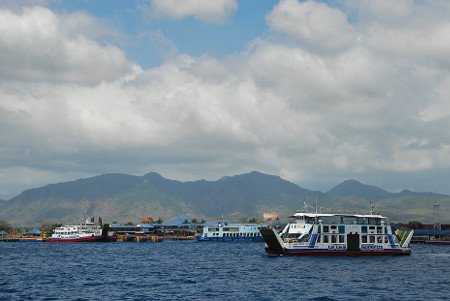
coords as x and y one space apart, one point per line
122 198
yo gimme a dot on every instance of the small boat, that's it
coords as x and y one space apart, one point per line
85 232
235 232
337 234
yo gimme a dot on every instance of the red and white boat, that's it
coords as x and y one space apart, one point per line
85 232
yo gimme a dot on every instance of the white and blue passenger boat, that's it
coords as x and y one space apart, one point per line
337 234
223 231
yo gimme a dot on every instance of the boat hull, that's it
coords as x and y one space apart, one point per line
305 252
81 239
230 239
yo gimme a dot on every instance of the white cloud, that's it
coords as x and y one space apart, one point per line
314 23
374 106
207 11
39 45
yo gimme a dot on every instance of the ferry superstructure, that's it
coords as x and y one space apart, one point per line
231 232
337 234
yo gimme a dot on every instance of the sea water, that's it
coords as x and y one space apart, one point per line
188 270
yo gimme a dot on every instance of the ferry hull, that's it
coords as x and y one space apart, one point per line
81 239
347 253
230 239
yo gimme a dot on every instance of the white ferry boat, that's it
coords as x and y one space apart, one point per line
337 234
223 231
85 232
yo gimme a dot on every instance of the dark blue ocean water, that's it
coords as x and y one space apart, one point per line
187 270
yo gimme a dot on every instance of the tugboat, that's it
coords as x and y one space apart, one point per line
85 232
337 234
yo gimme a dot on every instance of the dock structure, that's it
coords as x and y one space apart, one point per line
181 228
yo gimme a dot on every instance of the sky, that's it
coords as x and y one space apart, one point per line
316 92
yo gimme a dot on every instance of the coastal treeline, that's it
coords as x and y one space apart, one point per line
5 226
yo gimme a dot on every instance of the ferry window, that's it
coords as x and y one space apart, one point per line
379 230
364 229
341 239
380 239
364 239
319 229
333 227
333 239
325 239
331 219
319 238
342 229
374 221
385 240
362 220
348 219
372 239
326 229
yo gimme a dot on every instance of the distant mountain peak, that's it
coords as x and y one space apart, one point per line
152 174
352 181
354 188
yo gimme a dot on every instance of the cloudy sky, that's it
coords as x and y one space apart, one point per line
316 92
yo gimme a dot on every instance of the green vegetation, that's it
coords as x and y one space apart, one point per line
415 225
5 226
123 197
47 228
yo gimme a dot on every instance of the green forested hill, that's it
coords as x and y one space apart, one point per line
123 198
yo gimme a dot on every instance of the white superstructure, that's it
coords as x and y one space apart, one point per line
337 234
88 231
230 232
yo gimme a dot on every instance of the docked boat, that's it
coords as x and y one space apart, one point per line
337 234
223 231
84 232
